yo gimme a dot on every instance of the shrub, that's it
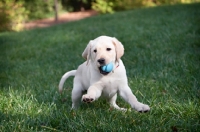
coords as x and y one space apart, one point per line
109 6
12 15
39 8
103 6
76 5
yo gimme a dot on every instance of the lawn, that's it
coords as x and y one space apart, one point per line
162 59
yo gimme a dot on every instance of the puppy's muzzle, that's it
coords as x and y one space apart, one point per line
101 61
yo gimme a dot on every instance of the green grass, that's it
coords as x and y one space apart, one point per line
162 59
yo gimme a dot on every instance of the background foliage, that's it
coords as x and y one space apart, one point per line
13 13
109 6
38 8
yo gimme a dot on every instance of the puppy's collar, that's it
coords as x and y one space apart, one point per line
116 67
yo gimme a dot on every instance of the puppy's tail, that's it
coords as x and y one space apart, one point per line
64 77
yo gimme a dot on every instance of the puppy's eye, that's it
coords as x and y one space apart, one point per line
108 49
95 51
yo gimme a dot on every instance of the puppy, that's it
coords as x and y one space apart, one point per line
91 78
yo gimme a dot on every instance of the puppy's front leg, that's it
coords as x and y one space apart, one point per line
128 96
93 93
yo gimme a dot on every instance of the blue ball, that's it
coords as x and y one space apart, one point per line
108 67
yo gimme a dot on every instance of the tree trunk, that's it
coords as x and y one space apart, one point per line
56 10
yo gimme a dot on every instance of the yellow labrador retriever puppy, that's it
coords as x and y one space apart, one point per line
91 78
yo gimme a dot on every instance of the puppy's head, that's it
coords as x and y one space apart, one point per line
102 51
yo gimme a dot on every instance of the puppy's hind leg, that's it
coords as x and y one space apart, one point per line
76 95
113 104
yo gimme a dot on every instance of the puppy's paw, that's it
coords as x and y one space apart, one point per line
142 108
87 98
123 109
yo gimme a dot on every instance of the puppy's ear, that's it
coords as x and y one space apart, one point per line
119 48
87 52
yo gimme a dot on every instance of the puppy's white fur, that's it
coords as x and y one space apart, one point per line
88 77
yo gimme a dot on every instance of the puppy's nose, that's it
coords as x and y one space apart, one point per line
101 61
